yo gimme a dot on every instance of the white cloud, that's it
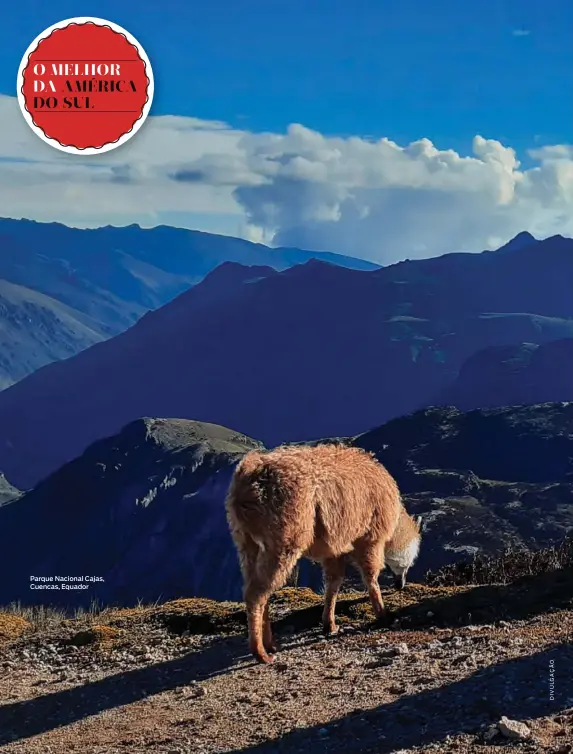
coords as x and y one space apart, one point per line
374 199
520 32
130 184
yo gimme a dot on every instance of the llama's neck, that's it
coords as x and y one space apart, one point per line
404 534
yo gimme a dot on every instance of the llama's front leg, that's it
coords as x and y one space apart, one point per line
334 569
369 557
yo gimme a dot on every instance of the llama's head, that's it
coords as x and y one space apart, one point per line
402 550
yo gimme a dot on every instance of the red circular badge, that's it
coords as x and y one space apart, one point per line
85 85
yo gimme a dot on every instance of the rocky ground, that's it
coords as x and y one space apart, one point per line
460 669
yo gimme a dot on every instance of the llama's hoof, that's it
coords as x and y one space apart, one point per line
264 658
330 630
262 655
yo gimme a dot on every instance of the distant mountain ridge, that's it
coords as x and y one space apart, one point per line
63 289
35 329
316 350
144 509
519 241
524 373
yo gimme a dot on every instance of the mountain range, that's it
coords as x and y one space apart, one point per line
523 373
315 350
144 509
63 289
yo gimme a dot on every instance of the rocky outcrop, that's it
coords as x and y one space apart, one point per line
8 492
141 511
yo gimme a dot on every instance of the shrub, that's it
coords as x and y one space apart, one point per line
503 569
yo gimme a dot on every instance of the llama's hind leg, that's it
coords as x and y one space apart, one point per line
334 569
249 552
268 641
272 571
255 602
369 557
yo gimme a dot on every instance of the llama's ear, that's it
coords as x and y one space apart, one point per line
419 521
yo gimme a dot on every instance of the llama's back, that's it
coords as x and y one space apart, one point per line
354 496
269 499
319 499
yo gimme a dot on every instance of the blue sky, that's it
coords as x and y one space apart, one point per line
407 69
424 127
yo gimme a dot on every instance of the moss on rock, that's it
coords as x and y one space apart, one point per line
12 626
95 635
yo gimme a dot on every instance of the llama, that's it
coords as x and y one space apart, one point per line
327 503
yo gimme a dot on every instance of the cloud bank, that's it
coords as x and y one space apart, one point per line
372 199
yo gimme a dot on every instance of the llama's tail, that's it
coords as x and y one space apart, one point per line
249 463
244 497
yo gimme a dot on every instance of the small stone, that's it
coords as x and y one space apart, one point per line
397 649
323 732
462 659
381 662
248 699
424 680
514 729
491 732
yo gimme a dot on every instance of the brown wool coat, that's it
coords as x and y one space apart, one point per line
324 503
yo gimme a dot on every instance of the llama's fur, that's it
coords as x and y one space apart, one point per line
327 503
